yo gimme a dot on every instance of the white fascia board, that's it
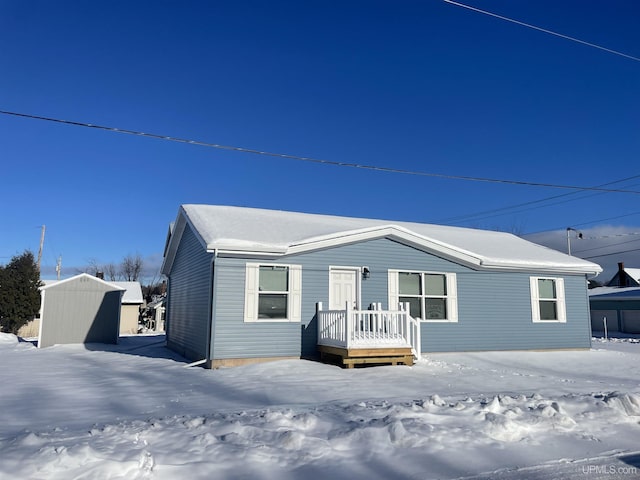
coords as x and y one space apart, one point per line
539 267
245 253
86 275
343 238
230 247
172 245
391 231
587 268
176 236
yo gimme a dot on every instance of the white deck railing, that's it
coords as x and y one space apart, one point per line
375 328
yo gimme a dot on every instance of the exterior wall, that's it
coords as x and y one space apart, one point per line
129 315
494 313
188 298
232 337
598 316
494 309
622 315
631 321
31 329
80 311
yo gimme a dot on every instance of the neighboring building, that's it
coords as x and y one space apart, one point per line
618 303
245 284
625 277
80 309
153 315
132 301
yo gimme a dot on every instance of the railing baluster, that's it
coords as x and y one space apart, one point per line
368 328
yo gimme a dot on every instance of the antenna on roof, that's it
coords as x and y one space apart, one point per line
41 246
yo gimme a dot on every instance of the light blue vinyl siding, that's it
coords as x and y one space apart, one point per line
494 313
189 298
494 308
235 338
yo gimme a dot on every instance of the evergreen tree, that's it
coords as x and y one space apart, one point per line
19 292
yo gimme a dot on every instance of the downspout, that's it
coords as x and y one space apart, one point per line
207 360
42 292
211 308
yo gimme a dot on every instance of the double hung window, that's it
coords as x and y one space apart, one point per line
272 292
547 299
431 296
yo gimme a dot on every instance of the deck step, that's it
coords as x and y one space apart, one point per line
349 357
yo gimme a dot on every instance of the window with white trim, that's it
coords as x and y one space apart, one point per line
432 296
547 299
272 293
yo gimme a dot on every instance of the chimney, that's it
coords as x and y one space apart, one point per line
622 275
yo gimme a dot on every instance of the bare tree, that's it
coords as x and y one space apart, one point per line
92 267
131 267
111 271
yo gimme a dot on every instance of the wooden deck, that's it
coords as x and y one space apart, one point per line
348 357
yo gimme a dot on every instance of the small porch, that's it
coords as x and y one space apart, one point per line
373 336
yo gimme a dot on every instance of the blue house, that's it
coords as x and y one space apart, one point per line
616 306
248 285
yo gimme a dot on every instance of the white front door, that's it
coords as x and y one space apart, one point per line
343 288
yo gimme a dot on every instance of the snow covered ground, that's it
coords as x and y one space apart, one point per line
133 411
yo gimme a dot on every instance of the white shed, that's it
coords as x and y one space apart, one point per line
80 309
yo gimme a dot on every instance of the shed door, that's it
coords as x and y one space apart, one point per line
343 288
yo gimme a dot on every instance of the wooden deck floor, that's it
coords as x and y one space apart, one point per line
348 357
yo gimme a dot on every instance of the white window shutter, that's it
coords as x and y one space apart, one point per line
251 287
452 297
562 310
393 289
535 299
295 293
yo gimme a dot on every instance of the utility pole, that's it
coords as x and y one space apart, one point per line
59 266
578 235
41 246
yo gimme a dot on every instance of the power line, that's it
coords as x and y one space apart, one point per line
587 223
314 160
610 254
612 236
605 219
606 246
495 212
544 30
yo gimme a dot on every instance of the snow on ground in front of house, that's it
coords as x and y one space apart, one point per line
134 411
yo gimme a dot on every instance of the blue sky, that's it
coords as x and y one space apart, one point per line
416 85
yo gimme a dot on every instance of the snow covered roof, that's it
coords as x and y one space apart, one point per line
633 273
227 229
614 293
52 283
133 292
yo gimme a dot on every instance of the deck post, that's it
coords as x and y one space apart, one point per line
348 326
320 327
